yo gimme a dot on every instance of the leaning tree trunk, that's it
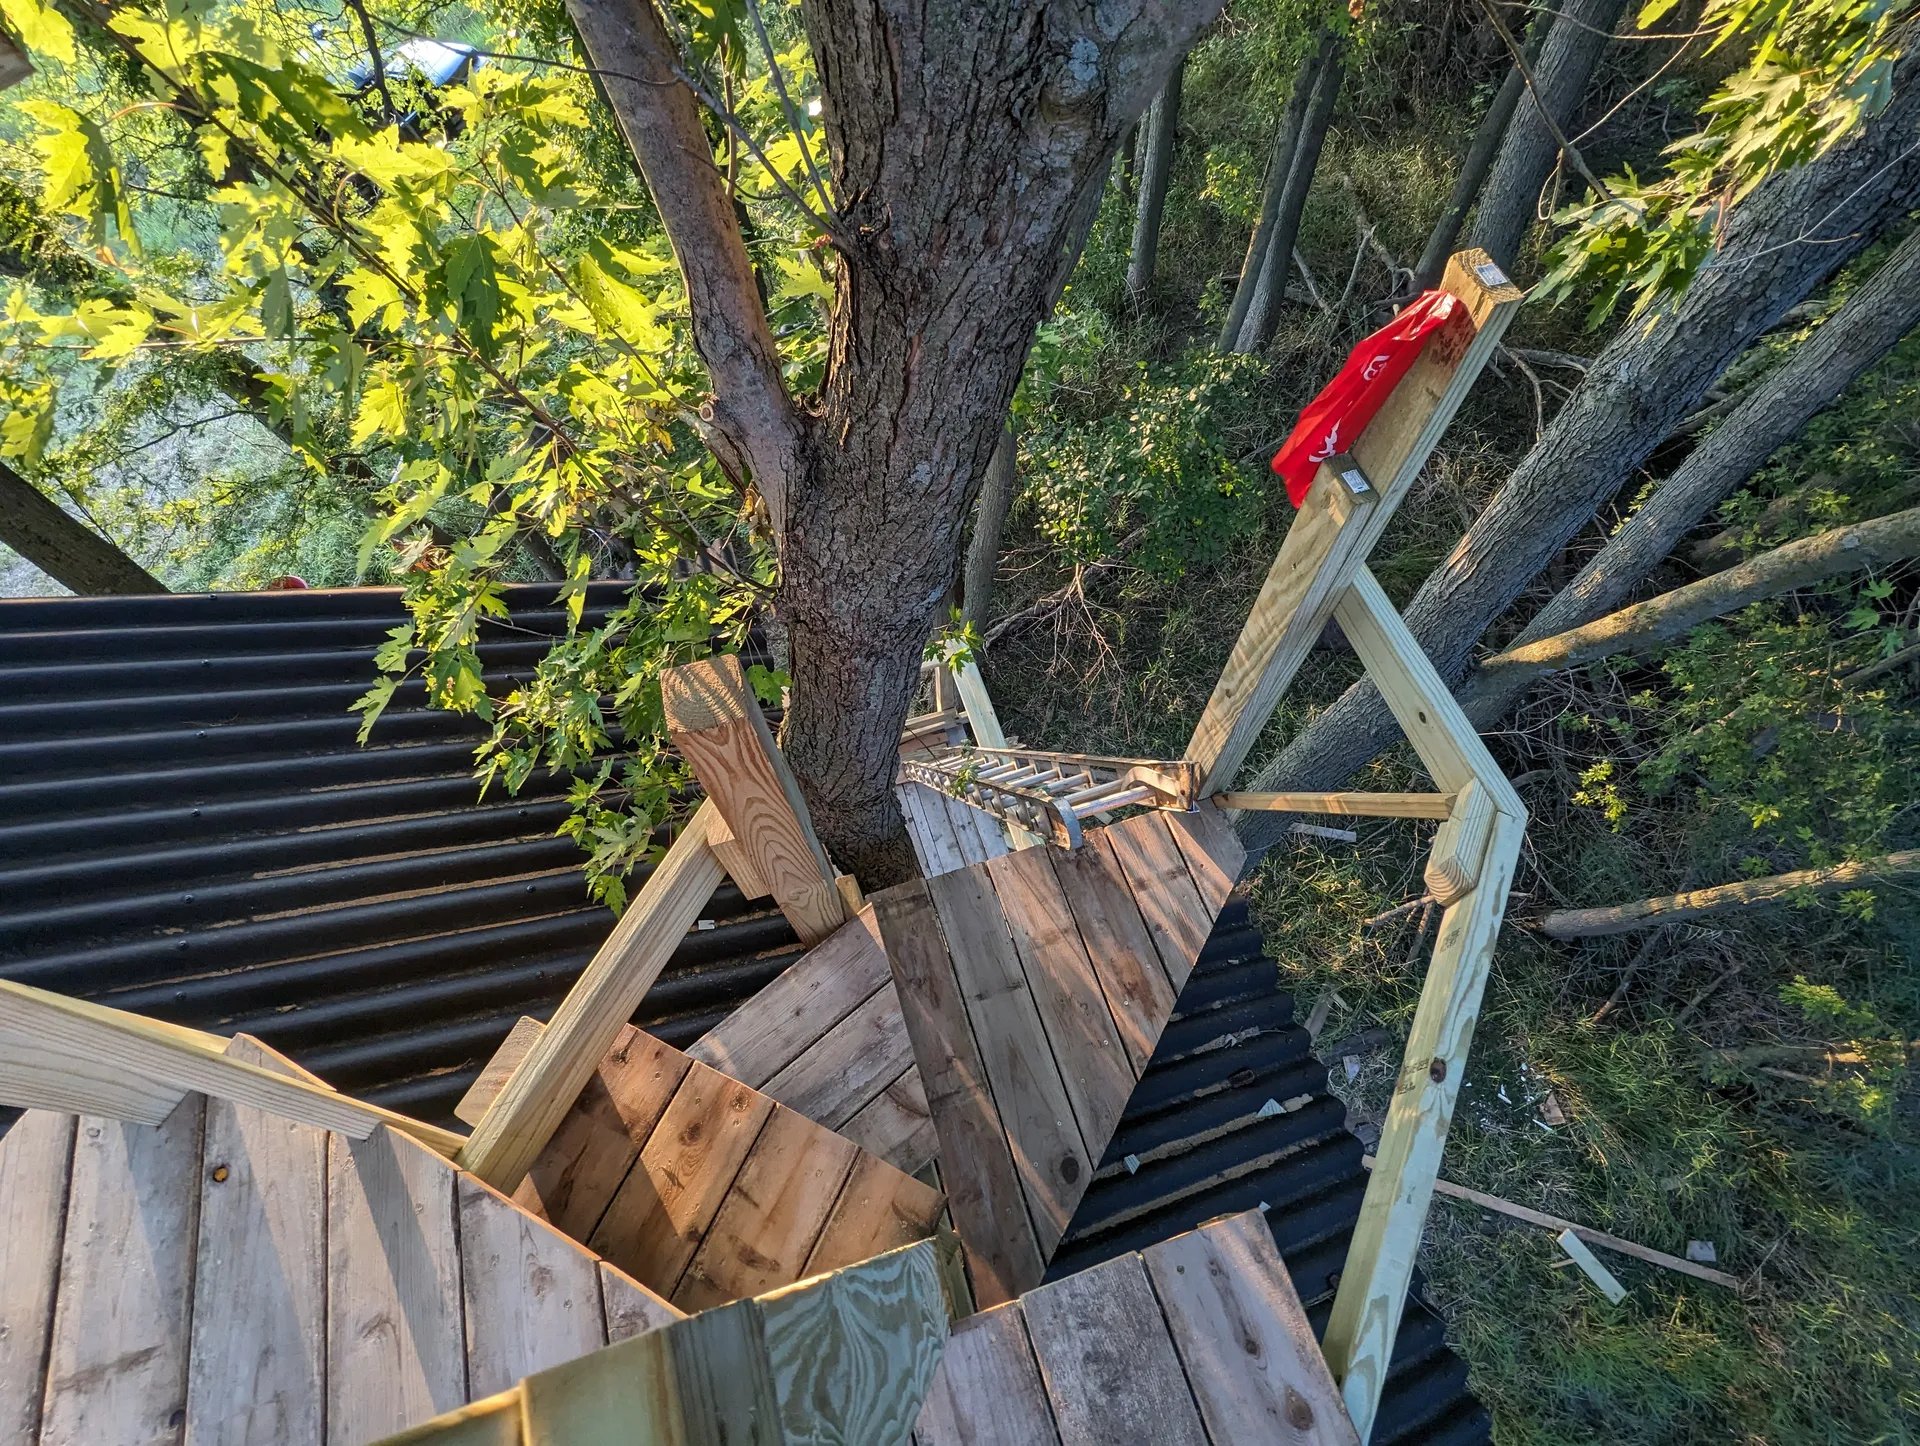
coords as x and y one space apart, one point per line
1156 172
63 547
1270 284
1645 381
1286 143
1477 162
989 525
1529 151
1865 328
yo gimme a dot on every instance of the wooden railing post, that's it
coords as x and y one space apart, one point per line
1350 503
716 723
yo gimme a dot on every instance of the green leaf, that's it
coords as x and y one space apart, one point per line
276 305
474 289
373 703
41 28
81 177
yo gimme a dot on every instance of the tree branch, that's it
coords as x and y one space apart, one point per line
753 426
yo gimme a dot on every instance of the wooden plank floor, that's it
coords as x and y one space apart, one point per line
1197 1341
230 1277
948 834
1034 986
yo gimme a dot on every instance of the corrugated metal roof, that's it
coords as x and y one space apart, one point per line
188 829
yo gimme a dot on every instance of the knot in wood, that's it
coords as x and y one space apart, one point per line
1299 1411
1437 1071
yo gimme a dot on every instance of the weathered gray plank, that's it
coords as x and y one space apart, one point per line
1155 869
1110 1370
258 1370
395 1349
896 1125
36 1157
632 1309
1131 974
117 1370
988 1389
532 1295
843 1070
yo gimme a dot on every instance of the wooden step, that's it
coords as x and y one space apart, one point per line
1197 1341
1034 987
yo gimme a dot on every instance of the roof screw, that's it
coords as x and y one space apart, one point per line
1437 1071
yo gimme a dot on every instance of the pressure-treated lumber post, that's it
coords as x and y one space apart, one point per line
718 727
1337 527
530 1106
982 721
1373 1282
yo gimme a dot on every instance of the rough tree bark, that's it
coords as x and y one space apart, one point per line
63 547
1528 151
1156 173
1868 324
1286 144
1477 162
968 147
1270 286
1779 244
989 525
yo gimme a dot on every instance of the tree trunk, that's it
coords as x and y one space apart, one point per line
1865 328
1163 122
1698 903
1286 143
1528 152
1270 286
1674 614
1477 163
63 547
989 524
1649 377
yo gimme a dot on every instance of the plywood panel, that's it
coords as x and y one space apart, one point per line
988 1388
258 1372
1048 1152
771 1030
1109 1367
768 1223
1094 1065
35 1158
665 1207
988 1208
532 1295
1255 1367
117 1367
578 1173
1119 946
1163 888
848 1065
395 1349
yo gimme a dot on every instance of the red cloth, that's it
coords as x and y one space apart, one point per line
1346 404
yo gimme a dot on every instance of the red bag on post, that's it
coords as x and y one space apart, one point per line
1331 421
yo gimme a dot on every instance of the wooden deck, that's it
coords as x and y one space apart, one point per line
1197 1341
946 833
1033 987
230 1276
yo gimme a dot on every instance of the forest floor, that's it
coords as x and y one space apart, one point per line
1598 1088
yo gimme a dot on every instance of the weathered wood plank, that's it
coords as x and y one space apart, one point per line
1066 988
1213 852
532 1295
879 1209
1048 1152
395 1353
766 1227
1177 919
897 1125
258 1360
666 1205
1250 1355
989 1210
1110 1369
530 1107
36 1161
1119 946
851 1357
715 722
939 849
771 1030
847 1066
584 1164
632 1309
988 1389
117 1365
1355 805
